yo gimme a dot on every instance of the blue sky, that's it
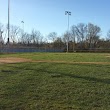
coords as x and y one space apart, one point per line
49 15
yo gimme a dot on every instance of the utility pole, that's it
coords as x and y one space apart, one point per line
8 41
68 13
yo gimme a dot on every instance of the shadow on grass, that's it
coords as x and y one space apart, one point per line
87 78
92 79
58 74
61 74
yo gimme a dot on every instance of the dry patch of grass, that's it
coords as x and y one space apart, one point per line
108 56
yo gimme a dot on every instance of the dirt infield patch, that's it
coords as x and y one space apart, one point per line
21 60
13 60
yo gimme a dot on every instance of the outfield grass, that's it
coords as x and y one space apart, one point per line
55 86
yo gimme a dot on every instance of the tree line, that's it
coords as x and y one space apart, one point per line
80 37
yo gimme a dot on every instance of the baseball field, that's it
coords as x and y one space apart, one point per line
55 81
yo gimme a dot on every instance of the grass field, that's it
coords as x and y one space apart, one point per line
56 81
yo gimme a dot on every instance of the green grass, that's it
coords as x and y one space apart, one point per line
75 57
55 86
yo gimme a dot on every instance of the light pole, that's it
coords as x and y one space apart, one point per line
8 21
23 30
68 13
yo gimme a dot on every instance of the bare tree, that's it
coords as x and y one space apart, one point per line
108 35
41 39
36 37
58 43
1 33
14 33
1 27
66 39
81 33
73 36
93 34
52 36
27 38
